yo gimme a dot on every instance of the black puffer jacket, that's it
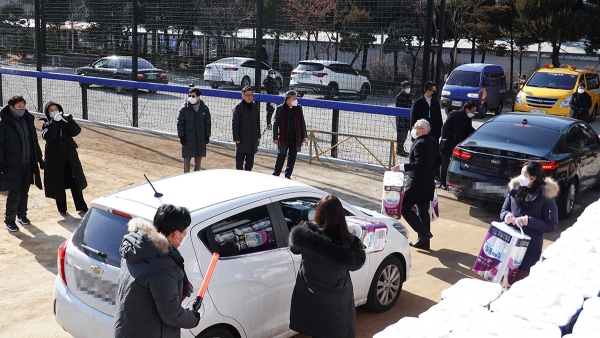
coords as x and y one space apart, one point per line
60 148
323 297
195 128
11 152
151 286
580 106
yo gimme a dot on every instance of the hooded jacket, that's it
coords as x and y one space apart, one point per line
61 149
195 127
151 286
323 298
542 212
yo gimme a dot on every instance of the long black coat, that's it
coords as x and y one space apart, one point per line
281 125
60 148
423 158
245 125
433 115
11 152
195 127
323 297
457 128
580 106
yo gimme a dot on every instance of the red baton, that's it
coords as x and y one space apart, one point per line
204 286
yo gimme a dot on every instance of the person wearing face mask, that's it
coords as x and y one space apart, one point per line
403 100
428 107
63 168
270 84
193 130
153 282
20 155
457 127
289 130
246 130
420 186
581 103
530 205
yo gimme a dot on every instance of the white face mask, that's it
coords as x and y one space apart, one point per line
407 90
470 115
580 90
294 103
53 113
182 239
413 133
272 75
523 181
192 100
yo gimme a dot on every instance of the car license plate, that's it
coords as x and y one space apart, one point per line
151 76
303 76
456 104
490 188
537 111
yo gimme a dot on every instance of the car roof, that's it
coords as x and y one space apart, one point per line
204 188
548 121
324 62
565 71
478 67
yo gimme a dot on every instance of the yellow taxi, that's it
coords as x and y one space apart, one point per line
549 90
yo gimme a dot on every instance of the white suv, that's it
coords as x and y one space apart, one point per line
330 78
250 291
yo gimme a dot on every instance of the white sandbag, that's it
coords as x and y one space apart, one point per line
568 247
410 327
588 322
456 314
592 303
473 291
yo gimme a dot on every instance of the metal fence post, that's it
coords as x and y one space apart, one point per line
84 101
310 141
335 122
38 54
134 62
1 99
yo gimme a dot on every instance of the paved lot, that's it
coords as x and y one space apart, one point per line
114 159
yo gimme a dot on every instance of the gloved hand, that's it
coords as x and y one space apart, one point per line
197 314
207 140
509 218
68 117
1 167
58 117
42 165
182 140
522 221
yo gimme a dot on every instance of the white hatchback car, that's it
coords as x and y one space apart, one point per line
250 292
236 71
330 78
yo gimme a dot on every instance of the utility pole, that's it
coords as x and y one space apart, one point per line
259 36
427 46
439 81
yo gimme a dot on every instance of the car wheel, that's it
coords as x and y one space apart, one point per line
245 82
364 91
498 110
216 332
279 83
386 285
483 111
566 203
594 112
214 86
332 91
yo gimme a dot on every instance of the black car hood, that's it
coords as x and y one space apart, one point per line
487 146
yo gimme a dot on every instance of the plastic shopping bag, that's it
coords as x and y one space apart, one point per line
434 211
393 190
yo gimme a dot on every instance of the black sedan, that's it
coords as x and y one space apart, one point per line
119 67
568 150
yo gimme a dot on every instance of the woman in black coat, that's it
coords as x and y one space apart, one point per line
323 297
63 168
531 204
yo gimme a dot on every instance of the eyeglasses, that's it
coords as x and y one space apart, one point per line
194 96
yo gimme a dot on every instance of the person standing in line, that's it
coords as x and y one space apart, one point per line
457 127
323 299
246 130
581 103
289 130
152 281
531 205
403 100
193 130
270 84
63 168
20 155
420 186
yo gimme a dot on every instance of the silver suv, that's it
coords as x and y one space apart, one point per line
330 78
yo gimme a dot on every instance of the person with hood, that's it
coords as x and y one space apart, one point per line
289 130
20 155
323 297
245 125
270 84
530 205
403 100
581 103
457 127
153 282
193 130
63 168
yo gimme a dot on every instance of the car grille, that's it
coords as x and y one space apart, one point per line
95 286
535 101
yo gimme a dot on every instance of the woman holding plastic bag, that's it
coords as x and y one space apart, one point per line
530 205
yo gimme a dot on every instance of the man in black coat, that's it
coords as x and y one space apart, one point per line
457 128
581 103
270 84
20 154
193 130
403 100
289 131
420 186
246 130
428 108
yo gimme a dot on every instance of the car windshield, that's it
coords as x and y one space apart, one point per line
142 64
464 78
553 80
512 133
310 67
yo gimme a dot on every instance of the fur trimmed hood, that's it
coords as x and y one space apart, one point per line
550 188
143 241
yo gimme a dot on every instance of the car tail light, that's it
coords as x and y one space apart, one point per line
122 214
319 74
230 68
162 76
208 67
293 72
549 165
140 76
460 153
60 261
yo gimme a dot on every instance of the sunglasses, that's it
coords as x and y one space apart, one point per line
194 96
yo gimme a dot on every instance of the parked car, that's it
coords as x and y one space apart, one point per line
236 71
479 82
482 165
330 78
119 67
549 90
250 291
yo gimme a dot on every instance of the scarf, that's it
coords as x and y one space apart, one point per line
283 126
187 287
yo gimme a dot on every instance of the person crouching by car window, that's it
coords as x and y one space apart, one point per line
323 298
152 282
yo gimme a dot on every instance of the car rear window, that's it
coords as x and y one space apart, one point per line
101 231
552 80
310 67
517 133
464 78
142 64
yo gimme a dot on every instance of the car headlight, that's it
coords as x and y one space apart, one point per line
445 92
519 98
401 228
473 95
566 102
